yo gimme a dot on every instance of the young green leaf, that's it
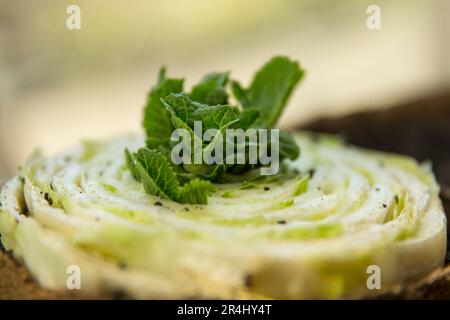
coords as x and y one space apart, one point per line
213 147
219 78
181 104
213 171
247 119
177 122
203 171
216 117
132 165
196 192
157 174
211 90
157 122
168 108
289 149
270 88
162 75
240 94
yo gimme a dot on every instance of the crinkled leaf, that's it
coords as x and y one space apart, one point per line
212 171
216 117
196 192
157 174
177 119
181 104
157 122
177 102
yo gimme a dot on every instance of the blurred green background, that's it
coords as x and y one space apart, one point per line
58 85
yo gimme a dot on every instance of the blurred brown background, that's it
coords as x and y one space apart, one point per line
58 85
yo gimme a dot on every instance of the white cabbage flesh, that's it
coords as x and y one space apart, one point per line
292 238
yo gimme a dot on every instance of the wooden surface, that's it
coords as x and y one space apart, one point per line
419 128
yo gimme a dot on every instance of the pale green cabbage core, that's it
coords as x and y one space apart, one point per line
311 236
